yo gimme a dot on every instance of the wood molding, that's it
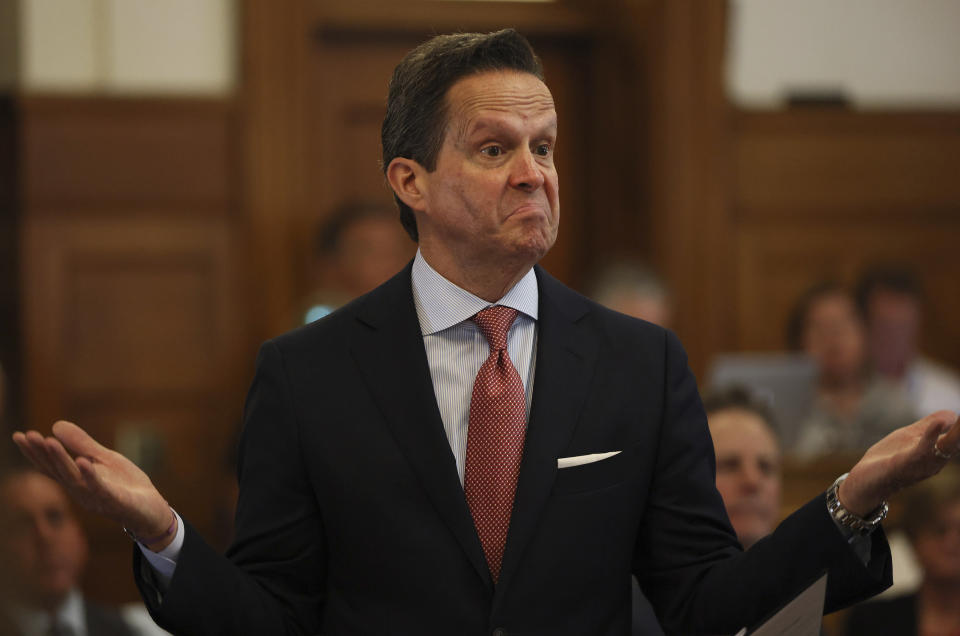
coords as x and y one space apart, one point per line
10 213
334 19
276 51
688 145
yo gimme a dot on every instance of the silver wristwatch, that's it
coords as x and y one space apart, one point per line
860 525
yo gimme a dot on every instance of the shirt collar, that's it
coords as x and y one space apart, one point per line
441 304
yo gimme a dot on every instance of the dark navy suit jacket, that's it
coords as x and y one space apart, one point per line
352 520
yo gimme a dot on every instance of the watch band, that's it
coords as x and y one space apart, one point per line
860 525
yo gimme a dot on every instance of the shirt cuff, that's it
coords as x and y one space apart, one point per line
164 563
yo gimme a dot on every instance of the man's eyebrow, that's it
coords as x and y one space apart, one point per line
484 124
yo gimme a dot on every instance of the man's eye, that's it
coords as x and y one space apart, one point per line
543 150
727 465
492 151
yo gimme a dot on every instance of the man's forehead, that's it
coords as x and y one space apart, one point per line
32 488
736 426
500 92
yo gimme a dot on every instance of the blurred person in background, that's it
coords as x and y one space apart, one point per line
931 520
43 551
633 289
748 461
892 303
359 247
853 407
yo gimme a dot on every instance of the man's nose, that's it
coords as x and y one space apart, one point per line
750 478
44 531
525 172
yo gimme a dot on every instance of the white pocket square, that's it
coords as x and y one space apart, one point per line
567 462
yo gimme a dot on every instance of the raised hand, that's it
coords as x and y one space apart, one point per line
902 458
99 479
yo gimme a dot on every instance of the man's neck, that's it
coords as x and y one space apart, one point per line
490 283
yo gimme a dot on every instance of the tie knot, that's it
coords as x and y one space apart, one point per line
495 322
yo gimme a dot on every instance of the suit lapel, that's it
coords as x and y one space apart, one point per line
390 354
566 358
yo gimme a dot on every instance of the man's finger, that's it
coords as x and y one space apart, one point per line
63 462
950 442
33 448
934 425
28 451
77 441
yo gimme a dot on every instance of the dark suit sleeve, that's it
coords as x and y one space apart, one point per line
687 558
272 579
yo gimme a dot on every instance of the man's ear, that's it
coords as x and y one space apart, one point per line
408 180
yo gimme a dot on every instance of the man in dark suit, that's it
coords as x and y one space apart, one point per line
43 551
473 448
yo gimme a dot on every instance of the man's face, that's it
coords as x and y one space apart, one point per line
748 472
892 330
834 336
41 544
493 195
370 251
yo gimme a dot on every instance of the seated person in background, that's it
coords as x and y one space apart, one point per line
43 552
358 247
748 461
635 290
892 304
931 520
853 408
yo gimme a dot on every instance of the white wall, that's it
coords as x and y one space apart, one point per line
880 53
128 46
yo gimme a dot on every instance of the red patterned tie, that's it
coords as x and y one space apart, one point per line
495 437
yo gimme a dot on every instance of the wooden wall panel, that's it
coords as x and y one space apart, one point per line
129 305
845 163
127 155
135 318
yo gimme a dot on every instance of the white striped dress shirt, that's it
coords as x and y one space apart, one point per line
456 349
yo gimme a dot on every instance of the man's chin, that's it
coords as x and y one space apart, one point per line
535 246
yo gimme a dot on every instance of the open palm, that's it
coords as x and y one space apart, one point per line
97 478
902 458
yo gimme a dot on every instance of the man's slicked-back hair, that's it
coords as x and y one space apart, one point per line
416 103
